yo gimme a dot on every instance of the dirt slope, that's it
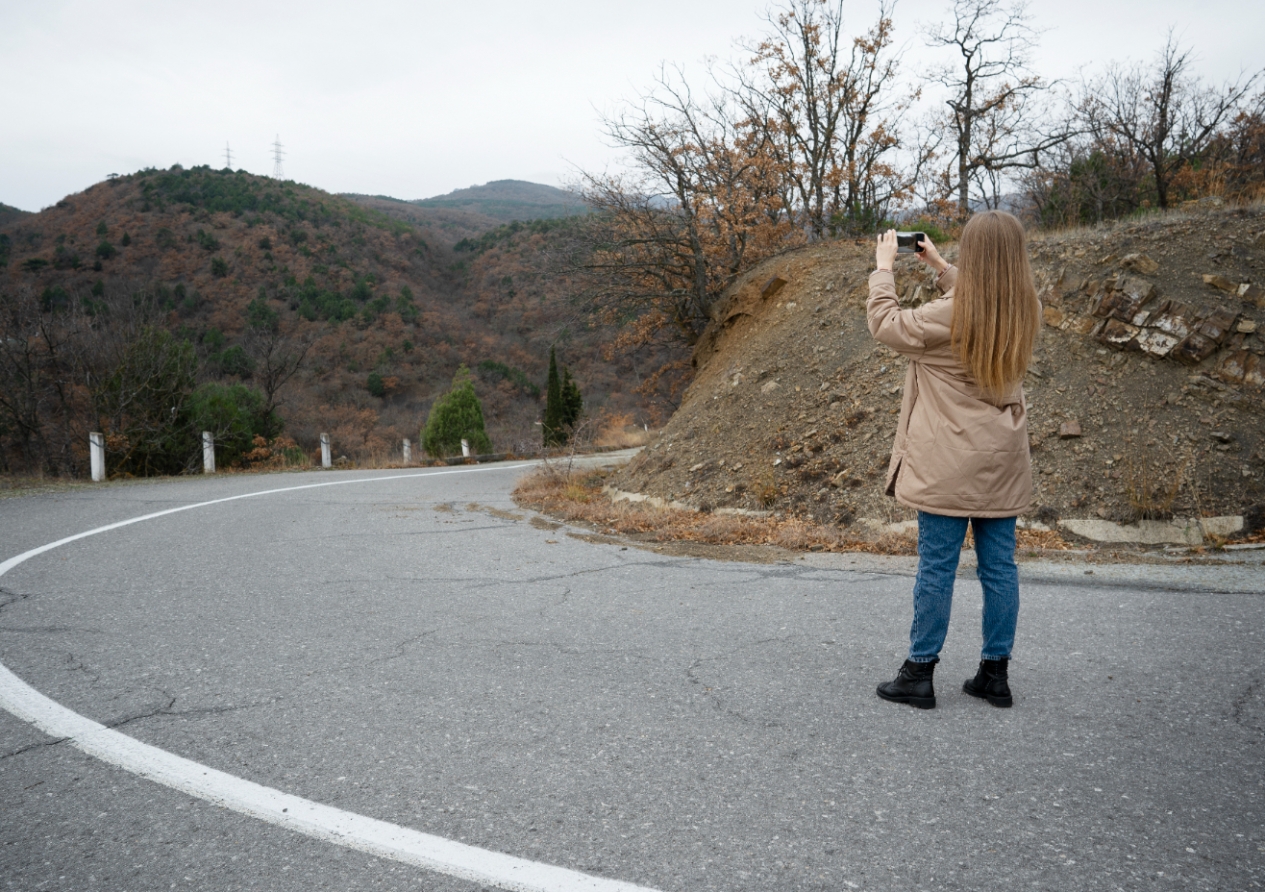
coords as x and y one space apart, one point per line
794 406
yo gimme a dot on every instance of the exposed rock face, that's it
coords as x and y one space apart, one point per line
793 407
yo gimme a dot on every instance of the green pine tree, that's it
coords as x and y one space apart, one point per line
553 426
456 416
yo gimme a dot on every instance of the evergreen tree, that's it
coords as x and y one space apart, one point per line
563 404
554 423
456 416
572 402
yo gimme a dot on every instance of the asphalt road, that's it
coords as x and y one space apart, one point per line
421 652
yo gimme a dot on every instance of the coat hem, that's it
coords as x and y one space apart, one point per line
964 512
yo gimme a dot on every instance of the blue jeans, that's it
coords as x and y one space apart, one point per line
940 541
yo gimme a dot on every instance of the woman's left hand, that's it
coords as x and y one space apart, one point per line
885 253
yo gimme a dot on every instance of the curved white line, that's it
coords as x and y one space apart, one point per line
324 822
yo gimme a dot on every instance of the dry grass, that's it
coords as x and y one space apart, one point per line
618 431
1152 485
577 497
1048 540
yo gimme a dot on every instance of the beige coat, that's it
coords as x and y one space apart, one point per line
958 451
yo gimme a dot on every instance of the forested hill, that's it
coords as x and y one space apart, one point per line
389 309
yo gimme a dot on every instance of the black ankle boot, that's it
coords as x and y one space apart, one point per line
912 685
991 683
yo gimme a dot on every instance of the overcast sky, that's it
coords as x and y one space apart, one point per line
414 99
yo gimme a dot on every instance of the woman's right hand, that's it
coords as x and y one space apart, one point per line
931 256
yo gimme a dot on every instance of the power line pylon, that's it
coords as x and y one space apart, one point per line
228 157
278 171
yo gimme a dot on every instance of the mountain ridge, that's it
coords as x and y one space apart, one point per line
508 201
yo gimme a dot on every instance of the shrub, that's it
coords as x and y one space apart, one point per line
126 240
64 258
234 361
260 316
102 230
219 267
165 238
234 414
213 338
455 416
54 298
207 241
375 385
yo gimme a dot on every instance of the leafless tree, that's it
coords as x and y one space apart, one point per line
824 103
995 106
1162 112
278 355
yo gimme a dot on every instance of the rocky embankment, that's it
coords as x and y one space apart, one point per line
1146 396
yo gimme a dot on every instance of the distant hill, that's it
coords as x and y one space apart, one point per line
390 309
509 200
440 225
10 214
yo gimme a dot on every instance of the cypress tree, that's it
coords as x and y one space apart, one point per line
553 424
572 402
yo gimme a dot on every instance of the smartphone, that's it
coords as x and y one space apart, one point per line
910 242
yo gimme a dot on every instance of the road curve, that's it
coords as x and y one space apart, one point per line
436 691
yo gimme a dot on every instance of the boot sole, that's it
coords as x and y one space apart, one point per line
1000 702
916 702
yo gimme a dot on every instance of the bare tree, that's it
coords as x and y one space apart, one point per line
278 355
1162 112
994 102
701 204
822 102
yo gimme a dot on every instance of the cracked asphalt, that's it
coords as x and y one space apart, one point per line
418 651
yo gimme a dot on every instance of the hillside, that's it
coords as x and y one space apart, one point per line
508 200
372 294
1145 397
444 226
11 214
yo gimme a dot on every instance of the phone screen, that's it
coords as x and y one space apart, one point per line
909 242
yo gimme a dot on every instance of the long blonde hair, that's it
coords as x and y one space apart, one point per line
996 314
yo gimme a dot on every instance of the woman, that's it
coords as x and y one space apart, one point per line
961 451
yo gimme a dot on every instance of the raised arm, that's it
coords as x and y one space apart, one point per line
902 330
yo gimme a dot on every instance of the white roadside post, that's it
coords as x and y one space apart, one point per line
325 459
465 448
208 452
96 455
408 451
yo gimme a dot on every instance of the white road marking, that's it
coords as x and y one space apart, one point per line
323 822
